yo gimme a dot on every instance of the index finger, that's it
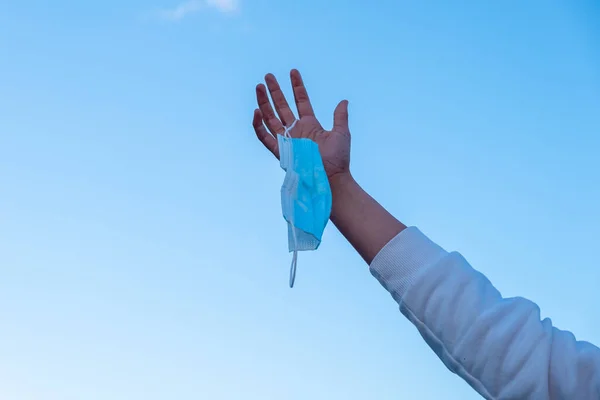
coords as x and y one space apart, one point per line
301 95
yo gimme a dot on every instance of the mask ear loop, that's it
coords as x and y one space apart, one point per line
287 135
294 259
288 129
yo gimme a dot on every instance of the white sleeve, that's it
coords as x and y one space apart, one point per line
498 346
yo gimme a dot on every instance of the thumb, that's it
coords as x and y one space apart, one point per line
340 117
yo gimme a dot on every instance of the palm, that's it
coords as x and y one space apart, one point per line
334 145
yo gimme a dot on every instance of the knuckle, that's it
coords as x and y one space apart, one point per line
302 95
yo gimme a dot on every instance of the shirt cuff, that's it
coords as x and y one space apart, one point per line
400 261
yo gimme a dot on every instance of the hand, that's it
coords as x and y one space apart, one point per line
334 145
363 221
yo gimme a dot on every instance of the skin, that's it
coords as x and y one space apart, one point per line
362 220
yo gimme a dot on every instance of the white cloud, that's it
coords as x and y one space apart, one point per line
193 6
182 10
223 5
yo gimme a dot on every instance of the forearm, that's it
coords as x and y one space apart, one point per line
362 220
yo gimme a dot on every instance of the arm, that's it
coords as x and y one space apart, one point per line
366 224
499 346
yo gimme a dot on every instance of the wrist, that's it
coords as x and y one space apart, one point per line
344 191
341 180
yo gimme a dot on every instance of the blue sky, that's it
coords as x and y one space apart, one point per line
142 247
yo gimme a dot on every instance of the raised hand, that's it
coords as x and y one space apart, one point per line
334 145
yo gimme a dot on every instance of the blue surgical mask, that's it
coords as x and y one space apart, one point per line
305 194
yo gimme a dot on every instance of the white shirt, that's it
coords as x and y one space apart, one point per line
497 345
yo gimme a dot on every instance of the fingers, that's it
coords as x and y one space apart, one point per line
281 105
300 95
268 115
340 117
263 135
